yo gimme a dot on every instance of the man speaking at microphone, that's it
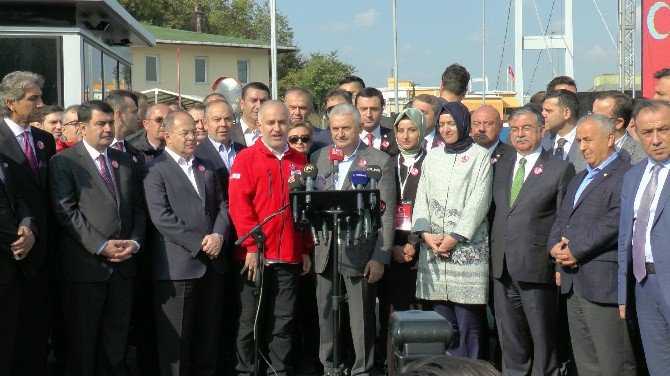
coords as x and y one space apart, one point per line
258 188
360 265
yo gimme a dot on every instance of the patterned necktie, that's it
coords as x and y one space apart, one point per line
370 138
424 144
518 181
641 224
104 171
560 152
119 145
30 153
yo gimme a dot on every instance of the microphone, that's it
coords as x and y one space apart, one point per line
295 184
359 179
375 174
309 174
336 156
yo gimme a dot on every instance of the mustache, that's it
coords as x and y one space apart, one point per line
520 139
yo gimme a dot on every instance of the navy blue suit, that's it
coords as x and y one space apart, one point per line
651 296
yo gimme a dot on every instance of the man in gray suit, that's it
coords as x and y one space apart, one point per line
528 188
360 265
618 107
97 200
561 111
187 206
245 131
583 242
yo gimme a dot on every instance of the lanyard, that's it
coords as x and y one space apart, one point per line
402 182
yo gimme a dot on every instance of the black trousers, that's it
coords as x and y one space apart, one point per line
9 313
33 324
188 324
276 320
97 322
143 324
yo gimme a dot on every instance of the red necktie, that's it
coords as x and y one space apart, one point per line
30 153
370 138
104 171
119 145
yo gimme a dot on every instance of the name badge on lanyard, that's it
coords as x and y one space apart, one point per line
403 216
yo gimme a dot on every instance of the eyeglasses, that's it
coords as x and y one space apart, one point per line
486 124
73 123
294 139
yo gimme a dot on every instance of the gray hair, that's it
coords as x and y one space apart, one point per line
526 110
345 109
273 102
302 91
13 87
605 124
652 105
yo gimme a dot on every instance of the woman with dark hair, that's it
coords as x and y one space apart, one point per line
452 201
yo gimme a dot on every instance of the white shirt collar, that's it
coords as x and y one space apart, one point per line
92 152
155 147
570 138
619 143
217 145
179 159
376 133
17 129
531 159
245 128
278 155
493 148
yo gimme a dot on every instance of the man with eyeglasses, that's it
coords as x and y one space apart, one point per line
618 107
528 188
151 141
187 207
71 130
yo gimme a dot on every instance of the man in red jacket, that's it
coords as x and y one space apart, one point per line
258 188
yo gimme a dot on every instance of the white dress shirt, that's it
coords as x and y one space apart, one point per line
429 139
343 167
646 178
187 167
17 130
569 138
493 148
531 159
250 135
621 141
376 141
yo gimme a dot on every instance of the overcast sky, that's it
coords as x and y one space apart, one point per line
432 34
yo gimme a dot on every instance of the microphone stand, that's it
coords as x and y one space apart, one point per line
259 237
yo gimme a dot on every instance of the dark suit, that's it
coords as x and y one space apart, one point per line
34 286
525 293
14 213
188 284
574 156
206 151
97 294
651 296
138 141
352 262
599 337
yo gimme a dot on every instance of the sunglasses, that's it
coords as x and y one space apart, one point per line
294 139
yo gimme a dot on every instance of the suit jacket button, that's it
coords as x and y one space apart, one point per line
568 226
509 216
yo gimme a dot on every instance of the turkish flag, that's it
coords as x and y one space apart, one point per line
510 72
655 42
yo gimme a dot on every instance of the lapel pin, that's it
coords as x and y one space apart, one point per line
134 159
385 144
537 170
605 175
464 158
362 163
414 171
40 145
440 143
115 164
201 168
494 160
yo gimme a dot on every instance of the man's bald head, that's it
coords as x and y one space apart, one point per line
486 126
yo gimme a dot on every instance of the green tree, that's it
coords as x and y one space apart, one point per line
320 73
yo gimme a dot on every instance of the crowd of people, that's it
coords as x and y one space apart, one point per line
120 217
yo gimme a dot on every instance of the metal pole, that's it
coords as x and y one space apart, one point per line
483 52
179 77
273 46
395 59
518 50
